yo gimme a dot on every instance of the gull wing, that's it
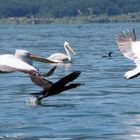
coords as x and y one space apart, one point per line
126 43
39 80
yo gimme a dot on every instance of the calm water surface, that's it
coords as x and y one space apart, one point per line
106 107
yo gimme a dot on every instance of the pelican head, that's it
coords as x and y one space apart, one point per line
27 57
68 48
19 53
24 56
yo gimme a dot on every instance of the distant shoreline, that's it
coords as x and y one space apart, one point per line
130 17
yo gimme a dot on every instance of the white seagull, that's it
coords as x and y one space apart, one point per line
21 61
60 57
130 48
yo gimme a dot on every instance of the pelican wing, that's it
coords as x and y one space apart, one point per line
9 63
8 69
5 69
126 43
72 76
39 80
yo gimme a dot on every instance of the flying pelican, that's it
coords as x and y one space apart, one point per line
130 48
60 57
21 61
50 88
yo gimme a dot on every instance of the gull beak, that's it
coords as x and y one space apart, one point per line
40 58
71 50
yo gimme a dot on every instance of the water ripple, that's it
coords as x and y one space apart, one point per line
106 107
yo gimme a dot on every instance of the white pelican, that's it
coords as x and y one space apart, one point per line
130 48
60 57
50 88
21 61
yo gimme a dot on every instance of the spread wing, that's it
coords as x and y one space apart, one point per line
54 88
39 80
50 72
5 69
10 63
72 76
126 43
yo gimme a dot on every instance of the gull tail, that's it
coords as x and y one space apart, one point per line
132 73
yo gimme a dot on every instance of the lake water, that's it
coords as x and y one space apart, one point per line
106 107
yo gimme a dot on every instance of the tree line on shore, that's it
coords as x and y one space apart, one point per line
66 8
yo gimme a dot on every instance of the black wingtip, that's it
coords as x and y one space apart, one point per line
77 73
134 34
79 84
82 84
50 72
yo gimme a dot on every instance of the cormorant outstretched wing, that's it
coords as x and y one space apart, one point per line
39 80
49 88
50 72
69 78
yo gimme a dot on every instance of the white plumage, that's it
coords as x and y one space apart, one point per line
130 48
60 57
21 61
17 62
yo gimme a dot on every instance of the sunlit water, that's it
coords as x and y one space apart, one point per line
106 107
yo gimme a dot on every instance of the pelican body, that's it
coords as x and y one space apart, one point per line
21 61
18 62
60 57
130 48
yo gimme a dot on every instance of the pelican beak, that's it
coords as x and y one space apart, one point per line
40 58
71 50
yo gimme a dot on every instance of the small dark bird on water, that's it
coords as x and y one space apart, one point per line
50 88
109 55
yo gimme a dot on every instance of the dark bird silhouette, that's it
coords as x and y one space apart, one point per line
50 88
109 55
50 72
